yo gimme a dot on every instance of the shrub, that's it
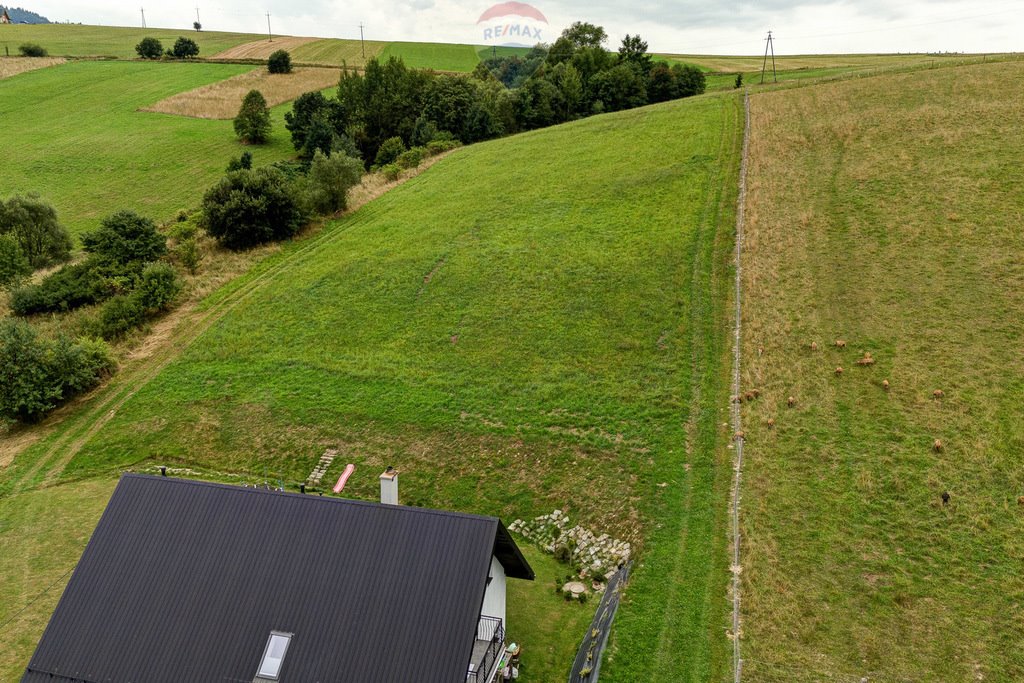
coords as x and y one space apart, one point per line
36 376
280 62
184 48
33 224
119 315
244 161
435 147
253 121
157 287
411 158
188 254
125 238
32 50
13 264
69 288
247 208
330 179
389 151
391 172
739 80
149 48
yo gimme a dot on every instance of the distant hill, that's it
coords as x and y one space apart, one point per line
23 16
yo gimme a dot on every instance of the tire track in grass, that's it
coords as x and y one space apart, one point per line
102 408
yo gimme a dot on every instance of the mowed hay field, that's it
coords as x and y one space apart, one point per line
221 100
516 331
886 212
75 40
74 134
12 66
437 56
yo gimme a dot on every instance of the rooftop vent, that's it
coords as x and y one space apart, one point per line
389 486
273 655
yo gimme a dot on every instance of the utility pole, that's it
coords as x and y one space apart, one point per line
269 34
197 16
769 45
143 10
362 44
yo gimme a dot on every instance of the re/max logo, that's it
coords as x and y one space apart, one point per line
509 30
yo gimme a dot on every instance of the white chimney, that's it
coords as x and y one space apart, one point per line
389 486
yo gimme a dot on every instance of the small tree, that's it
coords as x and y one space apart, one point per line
184 48
329 180
33 223
247 208
253 121
149 48
280 63
32 50
125 237
389 150
739 80
197 26
244 161
13 264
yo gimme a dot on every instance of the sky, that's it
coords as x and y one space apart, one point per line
675 26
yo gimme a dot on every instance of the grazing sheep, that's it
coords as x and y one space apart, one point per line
839 371
736 399
739 435
1020 500
867 359
771 423
749 395
945 497
791 402
938 393
814 346
937 446
885 384
760 350
840 344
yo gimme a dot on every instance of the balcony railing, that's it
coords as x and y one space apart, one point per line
490 643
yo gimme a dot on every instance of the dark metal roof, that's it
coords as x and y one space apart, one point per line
185 580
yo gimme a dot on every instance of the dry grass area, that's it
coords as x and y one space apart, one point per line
885 212
732 64
12 66
221 100
261 49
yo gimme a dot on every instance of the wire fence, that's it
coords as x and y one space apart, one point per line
587 666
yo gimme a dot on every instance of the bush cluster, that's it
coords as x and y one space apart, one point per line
38 375
251 207
252 124
32 50
387 103
32 224
280 62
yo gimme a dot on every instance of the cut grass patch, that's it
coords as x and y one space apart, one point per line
262 49
222 100
885 212
437 56
12 66
336 52
75 135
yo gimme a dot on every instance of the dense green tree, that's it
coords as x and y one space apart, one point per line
567 79
581 35
149 48
125 238
634 51
250 207
330 179
14 264
252 124
539 103
689 80
621 87
280 62
33 223
184 48
388 151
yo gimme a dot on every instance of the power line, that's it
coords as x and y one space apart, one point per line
37 597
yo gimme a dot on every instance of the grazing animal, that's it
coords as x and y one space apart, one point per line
739 435
749 395
814 346
839 370
840 344
938 393
945 497
937 446
885 384
867 359
771 423
1020 500
756 393
760 350
791 402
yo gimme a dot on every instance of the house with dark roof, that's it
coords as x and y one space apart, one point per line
193 581
5 18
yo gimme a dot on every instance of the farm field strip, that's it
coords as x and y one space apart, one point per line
76 40
884 213
12 66
262 49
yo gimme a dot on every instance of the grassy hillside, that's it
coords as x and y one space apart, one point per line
439 56
73 134
73 40
534 323
886 212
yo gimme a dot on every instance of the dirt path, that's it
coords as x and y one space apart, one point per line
79 424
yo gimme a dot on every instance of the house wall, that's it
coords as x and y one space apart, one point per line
494 597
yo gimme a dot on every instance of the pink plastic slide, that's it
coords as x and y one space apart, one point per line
349 469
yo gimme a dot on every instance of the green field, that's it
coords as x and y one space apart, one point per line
73 40
511 352
438 56
886 212
73 134
335 52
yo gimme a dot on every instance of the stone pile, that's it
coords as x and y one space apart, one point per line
591 554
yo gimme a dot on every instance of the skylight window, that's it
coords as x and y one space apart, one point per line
273 655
